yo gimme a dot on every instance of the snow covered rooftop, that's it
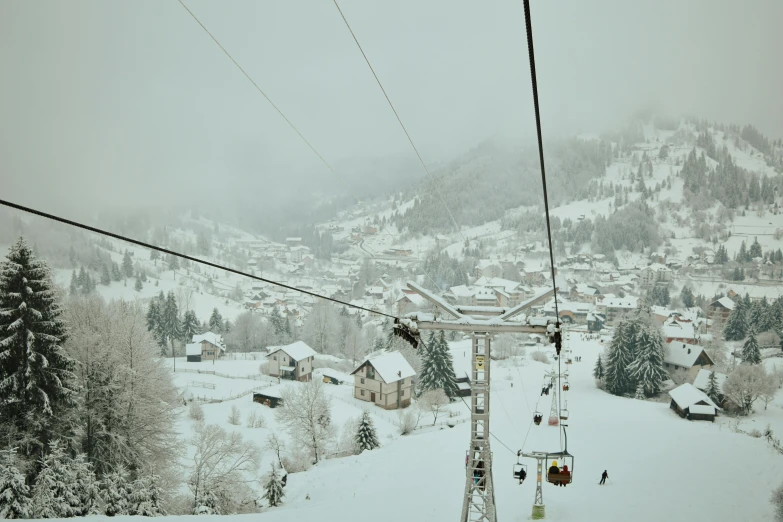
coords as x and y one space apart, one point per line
193 349
681 354
725 302
702 379
392 367
702 409
297 351
627 302
688 395
212 338
678 330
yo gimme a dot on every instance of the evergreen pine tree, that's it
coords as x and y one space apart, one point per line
735 325
127 265
116 493
138 286
170 323
274 318
378 344
14 492
85 487
713 390
437 367
274 489
751 353
619 357
216 321
190 326
639 395
287 327
116 275
153 317
105 276
74 289
647 367
598 371
145 498
173 263
227 325
687 297
82 278
207 502
54 493
742 255
154 256
36 378
366 437
755 249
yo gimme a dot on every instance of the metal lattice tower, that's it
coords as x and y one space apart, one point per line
483 322
479 502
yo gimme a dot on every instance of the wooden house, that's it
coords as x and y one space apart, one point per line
689 357
293 361
268 397
385 380
693 404
208 346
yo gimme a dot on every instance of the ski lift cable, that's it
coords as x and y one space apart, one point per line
490 433
184 256
534 82
274 106
410 140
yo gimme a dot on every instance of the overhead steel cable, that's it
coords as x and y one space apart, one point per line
407 135
534 83
184 256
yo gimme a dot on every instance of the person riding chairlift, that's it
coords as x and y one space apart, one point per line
567 475
554 470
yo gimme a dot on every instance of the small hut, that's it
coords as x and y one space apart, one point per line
268 397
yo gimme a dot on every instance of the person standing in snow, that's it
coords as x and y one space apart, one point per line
604 476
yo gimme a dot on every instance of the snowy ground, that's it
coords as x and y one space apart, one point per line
643 445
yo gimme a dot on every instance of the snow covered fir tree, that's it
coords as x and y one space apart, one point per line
751 353
366 437
273 488
437 366
634 359
37 381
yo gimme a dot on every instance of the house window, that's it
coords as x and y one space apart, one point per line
274 357
362 380
361 392
403 393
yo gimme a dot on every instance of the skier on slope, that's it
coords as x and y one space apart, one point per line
604 476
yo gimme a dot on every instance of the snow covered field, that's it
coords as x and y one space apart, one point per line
661 467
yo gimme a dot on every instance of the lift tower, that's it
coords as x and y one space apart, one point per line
483 322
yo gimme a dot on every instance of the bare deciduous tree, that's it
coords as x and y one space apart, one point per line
222 465
433 401
320 329
306 415
746 384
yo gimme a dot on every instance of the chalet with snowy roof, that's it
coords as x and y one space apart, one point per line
720 309
595 322
463 386
409 302
689 357
679 331
614 308
293 241
208 346
654 273
293 361
693 404
508 293
488 268
583 292
385 380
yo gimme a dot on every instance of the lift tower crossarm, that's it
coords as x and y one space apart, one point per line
521 307
434 299
427 322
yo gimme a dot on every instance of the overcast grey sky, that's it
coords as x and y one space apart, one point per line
132 103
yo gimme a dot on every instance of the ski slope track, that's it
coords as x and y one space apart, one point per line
661 467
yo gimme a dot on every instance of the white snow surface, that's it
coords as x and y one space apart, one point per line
422 476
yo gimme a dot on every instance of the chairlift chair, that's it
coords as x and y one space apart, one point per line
520 471
538 417
562 458
564 412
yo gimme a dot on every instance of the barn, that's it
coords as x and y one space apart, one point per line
693 404
268 397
